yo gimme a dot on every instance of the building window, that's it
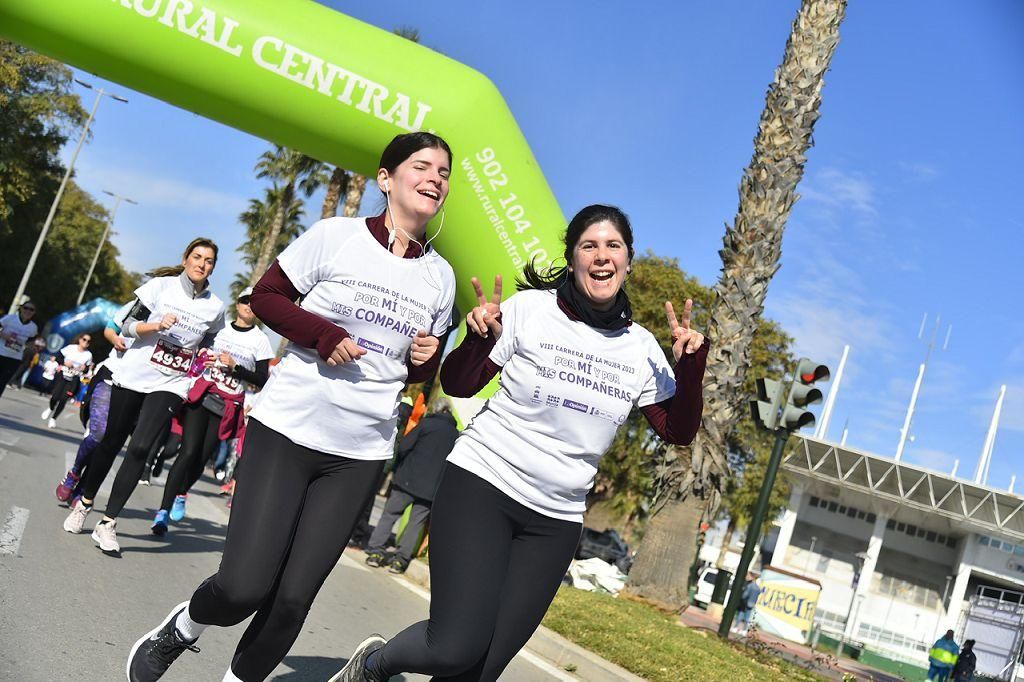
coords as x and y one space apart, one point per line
950 542
833 506
851 512
930 536
983 540
860 514
942 539
814 501
891 524
872 518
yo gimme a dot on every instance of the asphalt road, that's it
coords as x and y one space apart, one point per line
69 611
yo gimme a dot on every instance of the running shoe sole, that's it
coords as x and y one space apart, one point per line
353 669
131 655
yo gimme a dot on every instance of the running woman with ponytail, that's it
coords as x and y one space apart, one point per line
173 314
376 300
508 512
240 355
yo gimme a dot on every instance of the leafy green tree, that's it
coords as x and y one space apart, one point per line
38 112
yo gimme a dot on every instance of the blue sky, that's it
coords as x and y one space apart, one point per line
908 200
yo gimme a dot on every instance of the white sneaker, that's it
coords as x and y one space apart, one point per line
45 414
52 423
353 670
76 519
105 535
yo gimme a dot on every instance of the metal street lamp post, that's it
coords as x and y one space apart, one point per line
106 231
60 192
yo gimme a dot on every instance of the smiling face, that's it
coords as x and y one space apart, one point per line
83 342
199 264
418 186
599 263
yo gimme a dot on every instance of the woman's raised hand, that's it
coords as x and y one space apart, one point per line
346 351
167 321
484 318
684 339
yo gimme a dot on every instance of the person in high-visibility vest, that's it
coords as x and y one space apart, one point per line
942 658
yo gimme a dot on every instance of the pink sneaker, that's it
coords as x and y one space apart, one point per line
67 486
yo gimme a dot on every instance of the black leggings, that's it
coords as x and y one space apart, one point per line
291 517
8 369
62 390
495 566
153 412
199 440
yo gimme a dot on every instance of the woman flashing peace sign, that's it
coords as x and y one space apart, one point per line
508 512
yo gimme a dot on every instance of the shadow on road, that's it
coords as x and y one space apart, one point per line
12 425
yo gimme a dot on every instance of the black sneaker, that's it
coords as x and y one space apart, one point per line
398 566
376 559
153 654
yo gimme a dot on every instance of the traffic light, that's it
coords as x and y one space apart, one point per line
765 409
802 393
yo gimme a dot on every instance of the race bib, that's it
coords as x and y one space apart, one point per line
171 358
224 381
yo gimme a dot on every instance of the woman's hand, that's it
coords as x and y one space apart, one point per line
346 351
423 347
119 345
226 360
484 318
167 321
684 339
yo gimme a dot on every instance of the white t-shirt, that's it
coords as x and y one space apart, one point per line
347 277
15 335
565 389
77 358
159 361
247 347
118 321
50 368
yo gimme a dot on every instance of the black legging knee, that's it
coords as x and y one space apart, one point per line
291 517
199 439
143 416
495 566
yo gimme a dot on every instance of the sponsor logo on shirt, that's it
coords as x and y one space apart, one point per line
536 397
609 416
553 401
573 405
370 345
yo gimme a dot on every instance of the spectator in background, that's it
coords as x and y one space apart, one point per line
942 657
29 358
966 663
748 600
418 465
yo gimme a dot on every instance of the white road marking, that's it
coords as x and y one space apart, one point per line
527 656
8 438
12 530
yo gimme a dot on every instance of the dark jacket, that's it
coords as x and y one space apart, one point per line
963 671
422 454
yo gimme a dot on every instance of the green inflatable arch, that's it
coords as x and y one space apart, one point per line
304 76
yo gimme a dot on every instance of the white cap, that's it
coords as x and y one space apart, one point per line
245 292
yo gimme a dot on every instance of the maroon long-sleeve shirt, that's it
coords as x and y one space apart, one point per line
273 301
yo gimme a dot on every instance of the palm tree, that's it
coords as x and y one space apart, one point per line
257 219
690 480
295 172
337 186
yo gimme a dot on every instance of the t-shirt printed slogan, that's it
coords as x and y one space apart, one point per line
379 306
570 368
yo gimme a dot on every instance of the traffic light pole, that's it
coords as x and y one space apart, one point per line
753 532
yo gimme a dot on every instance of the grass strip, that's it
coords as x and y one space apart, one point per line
654 646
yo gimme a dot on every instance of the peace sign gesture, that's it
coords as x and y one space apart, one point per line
484 317
683 338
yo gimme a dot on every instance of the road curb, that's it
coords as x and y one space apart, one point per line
568 656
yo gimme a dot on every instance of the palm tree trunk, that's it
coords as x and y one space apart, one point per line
354 195
662 565
730 530
750 257
335 188
267 251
